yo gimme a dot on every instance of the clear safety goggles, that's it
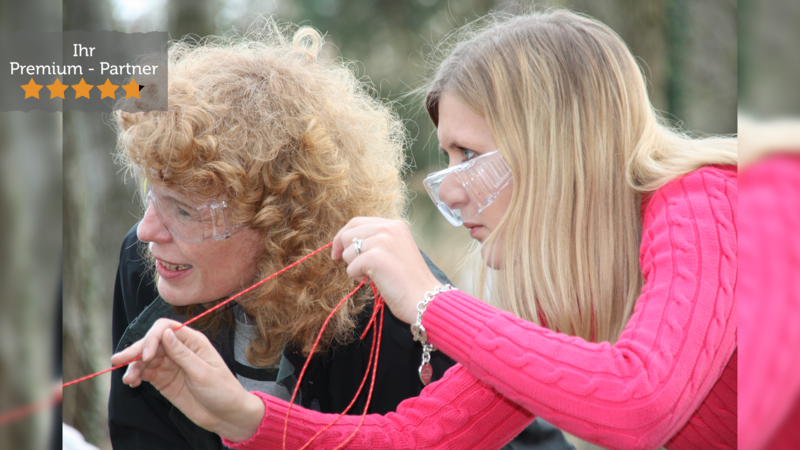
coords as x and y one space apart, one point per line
469 187
184 218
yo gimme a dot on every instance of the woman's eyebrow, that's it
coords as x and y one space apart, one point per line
450 145
178 201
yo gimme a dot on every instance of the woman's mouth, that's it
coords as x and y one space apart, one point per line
474 229
176 266
169 271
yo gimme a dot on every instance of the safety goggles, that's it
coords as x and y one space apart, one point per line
184 218
469 187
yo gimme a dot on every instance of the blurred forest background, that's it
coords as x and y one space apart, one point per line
687 49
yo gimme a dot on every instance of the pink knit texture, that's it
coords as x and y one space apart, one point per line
642 391
455 413
770 304
670 377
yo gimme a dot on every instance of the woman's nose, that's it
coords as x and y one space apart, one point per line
452 193
151 228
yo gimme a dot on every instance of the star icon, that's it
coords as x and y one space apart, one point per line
31 89
82 89
131 89
57 89
107 89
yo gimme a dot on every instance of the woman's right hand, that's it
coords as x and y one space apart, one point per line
188 371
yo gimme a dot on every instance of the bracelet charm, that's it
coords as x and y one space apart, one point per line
425 369
420 335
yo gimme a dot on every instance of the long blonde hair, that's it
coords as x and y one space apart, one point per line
568 109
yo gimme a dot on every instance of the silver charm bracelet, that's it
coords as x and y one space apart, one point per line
425 369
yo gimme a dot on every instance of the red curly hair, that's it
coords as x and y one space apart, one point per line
297 144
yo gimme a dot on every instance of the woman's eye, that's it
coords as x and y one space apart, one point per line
183 214
468 154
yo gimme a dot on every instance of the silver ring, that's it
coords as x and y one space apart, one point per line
357 243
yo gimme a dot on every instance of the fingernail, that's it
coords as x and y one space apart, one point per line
171 337
145 354
127 371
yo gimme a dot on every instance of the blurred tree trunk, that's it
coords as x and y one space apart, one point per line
86 298
84 407
98 210
678 37
708 58
30 231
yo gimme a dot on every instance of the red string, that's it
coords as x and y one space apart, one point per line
375 349
313 348
19 413
372 382
378 303
23 411
375 324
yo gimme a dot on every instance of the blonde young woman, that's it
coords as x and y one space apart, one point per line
613 244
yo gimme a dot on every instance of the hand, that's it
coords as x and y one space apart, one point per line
390 258
188 371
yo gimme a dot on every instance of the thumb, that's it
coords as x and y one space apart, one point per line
181 354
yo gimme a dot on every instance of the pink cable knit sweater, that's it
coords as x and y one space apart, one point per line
770 304
669 380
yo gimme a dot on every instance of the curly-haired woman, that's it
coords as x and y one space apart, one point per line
609 235
265 152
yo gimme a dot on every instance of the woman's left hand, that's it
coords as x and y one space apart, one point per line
390 258
183 365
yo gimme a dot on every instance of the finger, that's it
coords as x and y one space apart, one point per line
370 234
127 355
152 339
182 348
141 372
340 243
360 267
155 371
349 254
133 374
198 343
146 348
338 246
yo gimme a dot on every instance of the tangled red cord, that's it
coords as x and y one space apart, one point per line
26 410
376 338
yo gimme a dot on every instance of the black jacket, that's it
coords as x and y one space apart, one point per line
141 418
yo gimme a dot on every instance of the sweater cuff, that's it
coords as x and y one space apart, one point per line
267 428
452 321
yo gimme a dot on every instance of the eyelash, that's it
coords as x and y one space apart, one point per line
466 154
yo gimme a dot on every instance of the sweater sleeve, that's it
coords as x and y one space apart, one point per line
640 391
457 412
769 394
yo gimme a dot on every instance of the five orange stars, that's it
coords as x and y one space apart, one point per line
107 89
